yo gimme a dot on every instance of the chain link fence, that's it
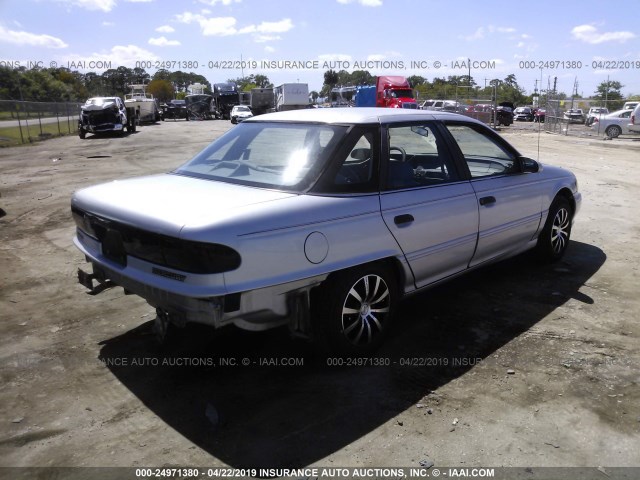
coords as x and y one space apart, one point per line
558 121
28 122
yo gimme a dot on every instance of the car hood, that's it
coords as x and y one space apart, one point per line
98 108
167 203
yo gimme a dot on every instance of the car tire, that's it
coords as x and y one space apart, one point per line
554 238
352 312
82 133
613 131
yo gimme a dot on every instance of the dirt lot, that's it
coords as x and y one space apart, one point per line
518 364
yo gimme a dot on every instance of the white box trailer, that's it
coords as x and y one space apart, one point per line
291 96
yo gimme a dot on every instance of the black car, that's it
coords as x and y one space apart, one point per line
174 109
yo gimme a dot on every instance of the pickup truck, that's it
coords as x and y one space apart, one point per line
106 114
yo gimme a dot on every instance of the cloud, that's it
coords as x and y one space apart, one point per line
218 26
222 2
590 34
275 27
365 3
165 29
120 55
30 39
269 49
163 42
108 24
477 35
482 32
104 5
333 57
225 26
266 38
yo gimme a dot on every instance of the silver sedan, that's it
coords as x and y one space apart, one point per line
614 124
322 220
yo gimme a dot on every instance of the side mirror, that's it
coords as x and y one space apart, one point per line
361 153
529 165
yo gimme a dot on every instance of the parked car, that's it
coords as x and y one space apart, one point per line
523 114
574 115
240 113
174 109
504 116
482 112
200 106
439 105
614 124
540 115
303 218
630 105
634 125
432 105
106 114
595 112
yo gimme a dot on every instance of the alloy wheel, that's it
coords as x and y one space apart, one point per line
560 230
365 310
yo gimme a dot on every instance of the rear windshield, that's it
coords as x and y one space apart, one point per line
287 156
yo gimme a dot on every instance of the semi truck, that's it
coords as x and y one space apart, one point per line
291 96
225 96
390 91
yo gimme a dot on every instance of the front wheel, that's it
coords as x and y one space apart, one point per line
354 309
554 238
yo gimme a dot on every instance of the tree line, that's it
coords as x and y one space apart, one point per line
64 85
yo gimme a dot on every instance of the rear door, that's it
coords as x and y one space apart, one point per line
427 204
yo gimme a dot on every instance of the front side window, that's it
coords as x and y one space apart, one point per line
417 157
484 155
285 156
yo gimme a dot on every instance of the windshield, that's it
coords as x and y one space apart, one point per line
100 100
242 109
286 156
405 93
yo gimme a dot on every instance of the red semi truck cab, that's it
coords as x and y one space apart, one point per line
394 92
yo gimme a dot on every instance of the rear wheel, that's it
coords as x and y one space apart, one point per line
554 238
613 131
82 133
353 312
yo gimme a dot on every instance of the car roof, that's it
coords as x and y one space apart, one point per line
359 115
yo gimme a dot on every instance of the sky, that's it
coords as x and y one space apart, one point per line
581 43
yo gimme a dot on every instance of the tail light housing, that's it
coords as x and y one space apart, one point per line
119 240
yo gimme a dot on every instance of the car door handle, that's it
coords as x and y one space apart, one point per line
487 200
402 219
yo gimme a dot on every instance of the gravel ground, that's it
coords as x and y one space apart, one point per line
518 364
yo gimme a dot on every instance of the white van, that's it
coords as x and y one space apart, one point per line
630 105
